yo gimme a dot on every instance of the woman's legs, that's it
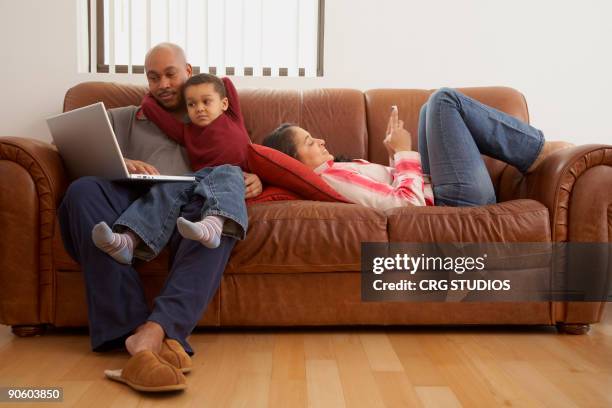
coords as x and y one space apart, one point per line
458 130
496 133
458 173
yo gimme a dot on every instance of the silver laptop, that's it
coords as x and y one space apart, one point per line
87 143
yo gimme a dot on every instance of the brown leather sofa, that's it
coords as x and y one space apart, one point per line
300 262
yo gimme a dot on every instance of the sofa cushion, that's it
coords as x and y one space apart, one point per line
511 221
305 237
308 236
284 237
317 110
280 170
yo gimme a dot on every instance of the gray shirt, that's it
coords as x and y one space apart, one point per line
140 139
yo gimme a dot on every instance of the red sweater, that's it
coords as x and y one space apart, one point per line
224 141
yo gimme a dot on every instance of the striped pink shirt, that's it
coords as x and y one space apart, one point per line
380 187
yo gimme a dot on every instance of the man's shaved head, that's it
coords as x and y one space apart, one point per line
167 71
178 52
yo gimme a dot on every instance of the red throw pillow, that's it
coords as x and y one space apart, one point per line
271 193
277 169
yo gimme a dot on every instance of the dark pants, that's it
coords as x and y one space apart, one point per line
115 298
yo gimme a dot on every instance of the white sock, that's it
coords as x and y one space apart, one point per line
119 246
208 231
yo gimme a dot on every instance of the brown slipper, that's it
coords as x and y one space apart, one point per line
173 352
147 371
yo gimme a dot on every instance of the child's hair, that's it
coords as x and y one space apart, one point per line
207 79
281 139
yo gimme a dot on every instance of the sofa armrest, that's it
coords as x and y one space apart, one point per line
41 160
575 185
555 184
32 183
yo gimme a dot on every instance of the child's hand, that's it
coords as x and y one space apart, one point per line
398 139
252 185
139 167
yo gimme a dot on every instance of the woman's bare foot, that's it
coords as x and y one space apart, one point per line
548 148
149 336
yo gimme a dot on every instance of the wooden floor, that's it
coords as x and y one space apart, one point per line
441 367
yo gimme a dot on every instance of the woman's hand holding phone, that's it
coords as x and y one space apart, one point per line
397 138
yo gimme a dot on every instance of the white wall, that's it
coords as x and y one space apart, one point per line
557 52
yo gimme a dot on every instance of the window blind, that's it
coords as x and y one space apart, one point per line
223 37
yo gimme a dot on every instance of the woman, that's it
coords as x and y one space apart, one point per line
454 130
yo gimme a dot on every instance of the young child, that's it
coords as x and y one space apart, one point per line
216 134
216 141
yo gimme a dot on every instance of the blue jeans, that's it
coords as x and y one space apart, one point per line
116 303
454 130
153 216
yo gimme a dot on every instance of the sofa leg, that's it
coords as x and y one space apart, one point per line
573 328
29 330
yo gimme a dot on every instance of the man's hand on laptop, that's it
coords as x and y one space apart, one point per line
138 167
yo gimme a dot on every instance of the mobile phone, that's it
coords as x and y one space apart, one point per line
393 108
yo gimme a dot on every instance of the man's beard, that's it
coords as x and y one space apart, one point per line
174 106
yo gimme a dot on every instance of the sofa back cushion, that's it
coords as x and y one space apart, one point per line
337 115
114 95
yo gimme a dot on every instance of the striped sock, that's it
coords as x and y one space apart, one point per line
208 231
118 246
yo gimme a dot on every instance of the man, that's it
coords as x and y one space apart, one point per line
118 312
